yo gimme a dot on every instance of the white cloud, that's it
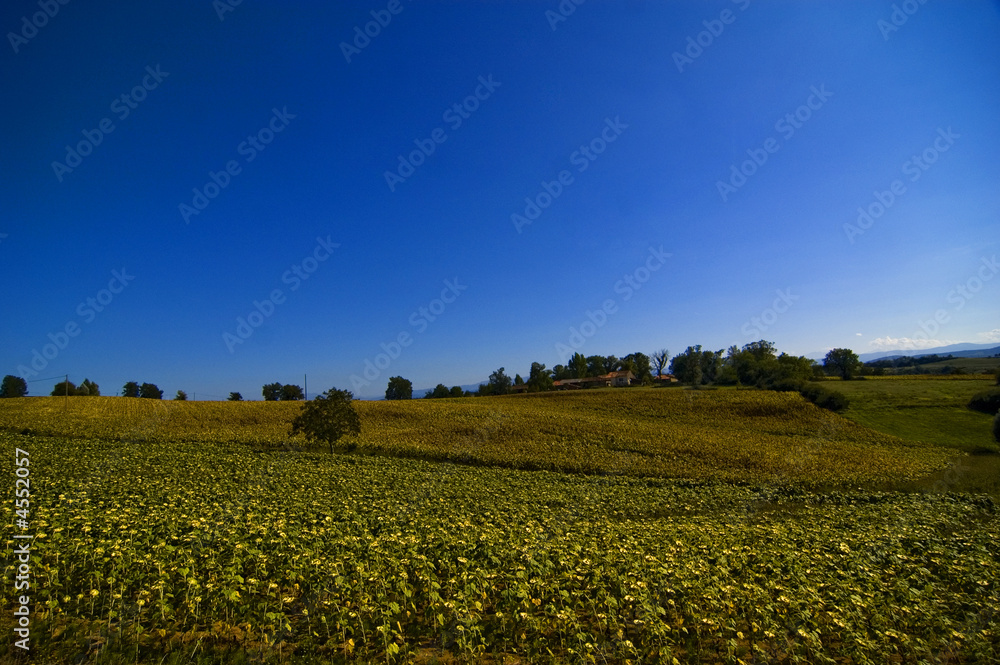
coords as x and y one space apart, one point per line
991 336
906 343
859 334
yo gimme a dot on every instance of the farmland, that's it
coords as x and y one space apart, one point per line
715 526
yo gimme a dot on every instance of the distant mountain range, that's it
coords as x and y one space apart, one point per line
963 350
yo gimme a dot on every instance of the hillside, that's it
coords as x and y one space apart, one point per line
743 436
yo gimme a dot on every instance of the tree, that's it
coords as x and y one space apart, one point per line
13 386
272 392
291 393
660 359
843 362
561 372
150 391
518 381
399 388
181 396
499 383
591 366
639 364
235 397
440 390
130 389
64 388
88 388
540 378
456 391
328 417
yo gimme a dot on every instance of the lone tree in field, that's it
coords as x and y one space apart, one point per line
843 362
399 388
328 417
150 391
130 389
235 397
271 392
181 396
13 386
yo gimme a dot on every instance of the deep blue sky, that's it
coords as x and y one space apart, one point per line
885 96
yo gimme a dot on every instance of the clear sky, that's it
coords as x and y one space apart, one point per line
646 174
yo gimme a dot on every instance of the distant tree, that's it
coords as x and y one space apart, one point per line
440 390
591 366
13 386
843 362
561 372
130 389
291 393
456 391
484 389
611 364
328 417
64 388
272 392
88 388
711 365
686 365
640 365
150 391
518 381
540 378
659 359
181 396
235 397
499 383
399 388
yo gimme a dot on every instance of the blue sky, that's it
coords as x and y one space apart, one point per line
216 155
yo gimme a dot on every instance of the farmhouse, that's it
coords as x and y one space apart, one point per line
611 379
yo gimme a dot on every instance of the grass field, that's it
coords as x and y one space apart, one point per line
712 526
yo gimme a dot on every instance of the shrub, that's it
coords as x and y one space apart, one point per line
987 401
824 397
